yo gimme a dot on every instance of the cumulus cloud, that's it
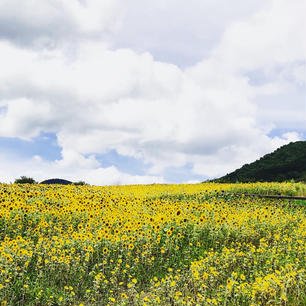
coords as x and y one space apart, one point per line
175 31
229 158
82 169
103 99
45 23
274 36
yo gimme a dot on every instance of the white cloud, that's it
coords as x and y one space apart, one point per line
24 117
45 23
177 31
229 158
100 99
81 169
272 37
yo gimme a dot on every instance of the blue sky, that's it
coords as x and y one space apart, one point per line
44 145
117 92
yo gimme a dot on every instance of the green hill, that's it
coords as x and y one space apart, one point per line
286 163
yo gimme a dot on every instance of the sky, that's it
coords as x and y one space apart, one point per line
138 92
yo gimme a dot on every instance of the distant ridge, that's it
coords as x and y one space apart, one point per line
286 163
56 181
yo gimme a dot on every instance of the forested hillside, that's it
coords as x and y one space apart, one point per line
286 163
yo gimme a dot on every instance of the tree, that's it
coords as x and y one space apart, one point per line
25 180
80 183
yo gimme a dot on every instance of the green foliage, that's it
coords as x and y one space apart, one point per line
80 183
284 189
285 164
25 180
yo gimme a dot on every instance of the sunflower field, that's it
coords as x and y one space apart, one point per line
144 245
